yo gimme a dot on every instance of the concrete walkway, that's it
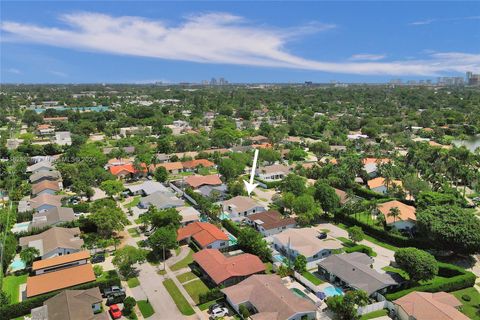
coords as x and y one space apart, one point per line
184 250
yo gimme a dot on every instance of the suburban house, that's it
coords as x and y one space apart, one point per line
405 221
45 187
171 167
269 299
147 188
127 171
207 185
189 215
354 270
370 165
126 131
45 165
54 242
63 138
426 306
72 305
305 241
51 217
59 273
162 157
127 150
274 172
40 203
161 200
240 207
119 162
270 222
195 164
226 271
205 234
45 176
378 185
45 129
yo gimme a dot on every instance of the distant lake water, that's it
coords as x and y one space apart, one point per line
471 144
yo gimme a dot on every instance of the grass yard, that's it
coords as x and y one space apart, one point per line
470 308
133 282
312 278
184 277
269 268
374 314
183 263
178 298
162 272
206 305
134 232
138 221
195 288
145 308
133 203
399 271
11 285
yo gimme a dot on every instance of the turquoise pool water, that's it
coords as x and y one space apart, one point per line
333 291
232 241
20 227
17 264
279 258
224 216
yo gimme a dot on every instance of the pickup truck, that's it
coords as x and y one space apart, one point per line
112 290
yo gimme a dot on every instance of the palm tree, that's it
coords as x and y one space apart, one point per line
395 213
28 255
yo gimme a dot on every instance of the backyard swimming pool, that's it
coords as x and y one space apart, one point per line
17 264
279 258
332 291
20 227
232 241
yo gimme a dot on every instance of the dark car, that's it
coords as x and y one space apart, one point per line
98 258
322 235
115 298
112 290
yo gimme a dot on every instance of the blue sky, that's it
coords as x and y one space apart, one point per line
72 42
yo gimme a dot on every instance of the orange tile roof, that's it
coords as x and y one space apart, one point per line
221 268
375 160
43 126
60 279
199 162
116 170
378 182
41 264
169 166
197 181
262 146
406 212
203 233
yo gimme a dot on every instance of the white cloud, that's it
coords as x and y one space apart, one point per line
219 38
14 71
367 57
430 21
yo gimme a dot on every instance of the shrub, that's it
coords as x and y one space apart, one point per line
361 248
212 294
466 297
128 305
244 311
98 270
232 227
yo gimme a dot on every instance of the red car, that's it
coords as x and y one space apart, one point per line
115 311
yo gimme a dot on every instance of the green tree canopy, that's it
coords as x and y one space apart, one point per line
252 242
419 265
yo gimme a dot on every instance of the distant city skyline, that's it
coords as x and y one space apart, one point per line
238 42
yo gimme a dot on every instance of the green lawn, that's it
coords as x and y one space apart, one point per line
11 286
133 203
178 298
374 314
162 272
269 268
138 221
312 278
133 282
134 232
145 308
470 308
195 288
371 239
206 305
184 277
183 263
399 271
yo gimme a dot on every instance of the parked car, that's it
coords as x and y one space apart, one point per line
111 290
115 298
215 306
115 312
98 258
150 231
218 313
322 235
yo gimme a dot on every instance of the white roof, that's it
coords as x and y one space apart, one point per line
305 241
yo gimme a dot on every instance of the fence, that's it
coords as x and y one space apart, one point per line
305 282
381 304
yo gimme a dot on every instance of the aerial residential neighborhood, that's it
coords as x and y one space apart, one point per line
262 160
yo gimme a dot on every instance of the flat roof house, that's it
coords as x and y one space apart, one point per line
274 172
270 222
72 305
270 299
294 242
240 207
205 234
227 271
427 306
54 242
353 270
405 221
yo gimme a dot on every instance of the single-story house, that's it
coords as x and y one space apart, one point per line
240 207
205 234
259 139
194 164
147 188
209 191
196 181
63 138
189 215
45 176
40 203
305 241
127 170
270 222
274 172
226 271
427 306
269 298
45 129
127 150
171 167
405 221
119 162
354 270
160 200
162 157
378 185
51 217
45 165
45 187
370 165
54 242
72 305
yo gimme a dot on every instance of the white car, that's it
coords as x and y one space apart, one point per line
219 312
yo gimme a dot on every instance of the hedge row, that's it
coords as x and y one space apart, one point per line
23 308
231 227
367 193
361 248
269 184
210 295
463 279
